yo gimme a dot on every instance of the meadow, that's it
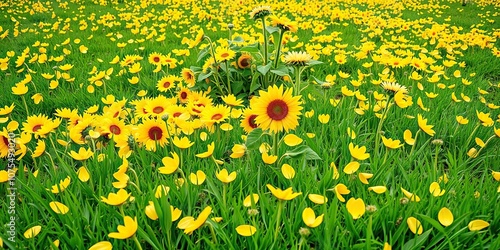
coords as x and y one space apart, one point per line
182 124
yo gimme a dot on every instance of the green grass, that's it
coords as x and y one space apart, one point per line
471 192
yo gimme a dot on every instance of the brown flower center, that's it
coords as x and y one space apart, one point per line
277 110
115 129
158 110
251 121
155 133
217 117
37 127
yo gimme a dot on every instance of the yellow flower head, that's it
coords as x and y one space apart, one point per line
284 195
126 230
116 199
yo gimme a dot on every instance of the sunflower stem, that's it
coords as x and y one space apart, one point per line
228 75
266 81
413 146
436 158
215 60
25 105
379 127
297 81
137 243
278 220
472 134
278 51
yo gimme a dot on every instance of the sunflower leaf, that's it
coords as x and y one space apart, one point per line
202 76
202 54
253 138
250 48
264 69
272 29
418 241
302 150
281 71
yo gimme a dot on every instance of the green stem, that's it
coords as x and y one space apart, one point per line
385 155
215 60
228 75
212 231
297 81
121 210
436 158
224 190
25 105
266 80
472 134
137 243
136 179
379 127
278 220
275 144
278 51
486 143
415 143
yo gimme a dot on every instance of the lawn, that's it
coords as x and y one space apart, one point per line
181 124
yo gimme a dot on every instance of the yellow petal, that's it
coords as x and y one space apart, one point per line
198 178
288 171
248 200
32 232
246 230
415 225
103 245
378 189
292 140
83 174
351 167
356 207
445 217
317 198
58 207
477 225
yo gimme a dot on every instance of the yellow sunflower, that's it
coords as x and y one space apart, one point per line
166 83
157 107
223 54
112 127
215 114
260 11
295 58
284 23
248 122
188 76
152 133
155 58
393 87
277 109
34 123
245 61
183 94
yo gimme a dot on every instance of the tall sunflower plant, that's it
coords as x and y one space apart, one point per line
235 67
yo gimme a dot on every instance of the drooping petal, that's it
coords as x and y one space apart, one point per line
414 225
246 230
477 225
445 216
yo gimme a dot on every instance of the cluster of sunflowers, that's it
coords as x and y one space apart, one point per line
243 141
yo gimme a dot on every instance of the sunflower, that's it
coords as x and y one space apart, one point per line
248 122
81 130
35 123
295 58
215 114
157 107
183 94
393 87
188 76
223 54
112 127
284 23
139 107
166 83
277 109
155 58
4 143
197 40
152 133
66 113
245 61
260 12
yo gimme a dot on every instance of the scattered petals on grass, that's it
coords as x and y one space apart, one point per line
341 189
356 207
102 245
83 174
317 198
414 225
198 178
247 202
436 190
410 196
310 219
445 216
292 140
351 167
288 171
32 232
58 207
477 225
246 230
378 189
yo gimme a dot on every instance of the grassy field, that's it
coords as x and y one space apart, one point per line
181 124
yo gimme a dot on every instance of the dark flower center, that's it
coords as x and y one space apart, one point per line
217 117
251 121
37 127
277 110
158 110
115 129
155 133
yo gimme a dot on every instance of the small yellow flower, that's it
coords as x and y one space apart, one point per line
170 164
238 151
116 199
324 118
63 184
246 230
408 137
189 224
83 174
496 175
356 207
390 143
182 143
410 196
363 177
358 152
247 202
436 190
422 123
225 177
161 190
284 195
341 189
126 230
198 178
150 211
310 219
83 154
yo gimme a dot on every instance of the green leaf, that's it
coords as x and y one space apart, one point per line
281 71
238 39
272 29
418 241
251 48
263 69
202 76
253 138
314 62
433 222
302 150
202 54
255 85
